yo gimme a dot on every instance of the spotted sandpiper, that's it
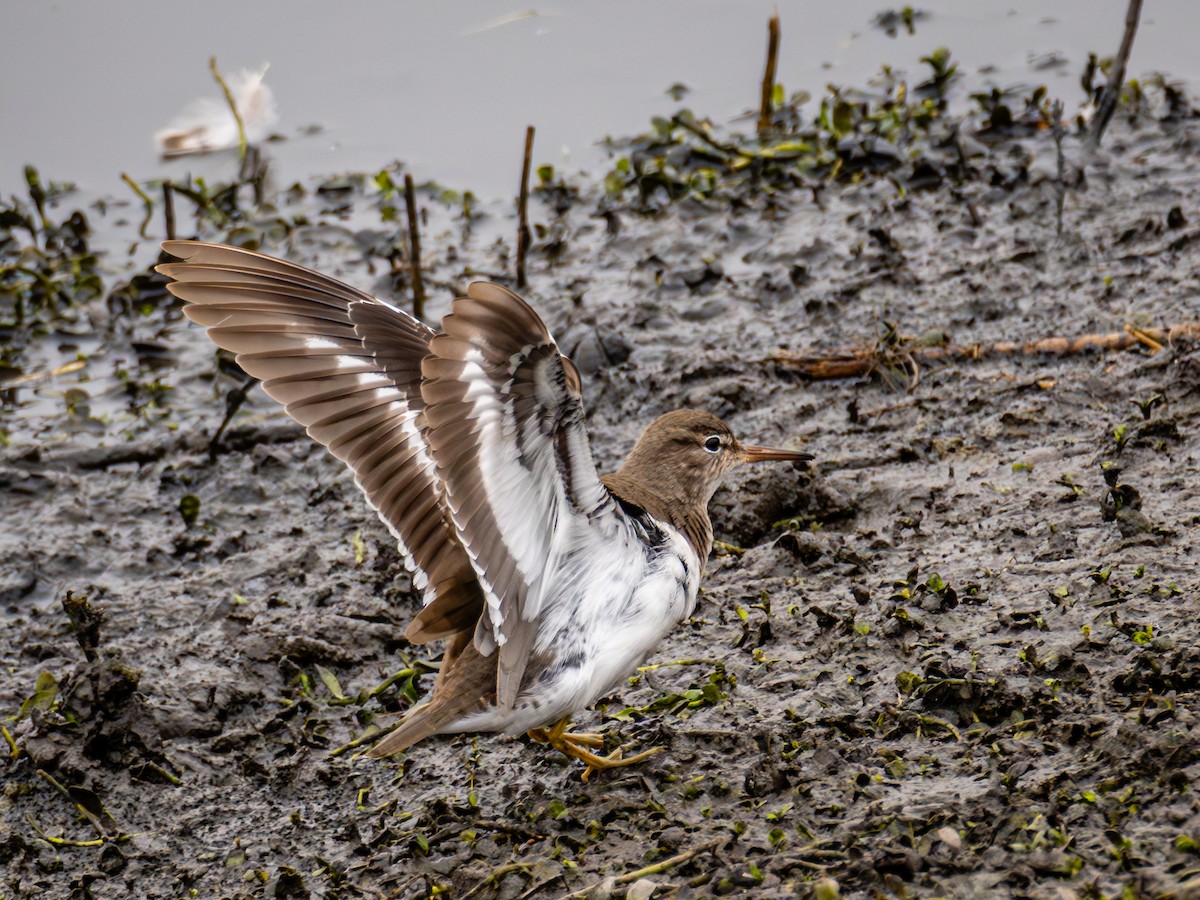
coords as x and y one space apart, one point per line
548 582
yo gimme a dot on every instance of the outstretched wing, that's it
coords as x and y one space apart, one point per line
505 425
347 367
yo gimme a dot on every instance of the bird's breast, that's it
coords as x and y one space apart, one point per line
626 606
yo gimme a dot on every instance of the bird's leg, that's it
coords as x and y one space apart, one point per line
559 735
574 746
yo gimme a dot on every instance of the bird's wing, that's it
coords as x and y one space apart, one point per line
505 425
347 367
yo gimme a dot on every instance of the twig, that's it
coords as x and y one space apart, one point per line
162 773
249 165
142 195
803 856
1060 187
37 194
965 173
495 875
237 116
147 203
169 209
723 548
766 102
972 212
940 723
233 402
414 248
254 172
66 794
527 834
724 149
654 869
1116 75
204 204
654 667
523 235
14 750
861 362
964 164
407 672
61 842
365 738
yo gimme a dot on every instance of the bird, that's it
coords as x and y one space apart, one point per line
207 125
548 582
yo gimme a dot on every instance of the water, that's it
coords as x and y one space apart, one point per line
449 88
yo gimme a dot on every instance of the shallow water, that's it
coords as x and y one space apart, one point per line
449 88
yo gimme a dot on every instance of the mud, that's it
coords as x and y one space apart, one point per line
956 657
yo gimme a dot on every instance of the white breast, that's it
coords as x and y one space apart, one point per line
664 597
613 607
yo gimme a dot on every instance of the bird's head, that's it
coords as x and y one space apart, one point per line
689 451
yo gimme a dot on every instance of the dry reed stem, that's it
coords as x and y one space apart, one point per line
414 248
908 353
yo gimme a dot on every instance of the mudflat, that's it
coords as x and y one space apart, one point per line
956 656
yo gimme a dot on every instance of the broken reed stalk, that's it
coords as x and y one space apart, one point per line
766 101
237 116
249 166
254 172
136 188
147 203
414 248
1060 187
862 362
37 194
1116 75
523 235
657 868
66 795
169 210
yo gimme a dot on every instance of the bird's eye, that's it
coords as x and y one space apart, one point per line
713 444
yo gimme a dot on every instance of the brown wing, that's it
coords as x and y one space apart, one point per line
505 424
347 367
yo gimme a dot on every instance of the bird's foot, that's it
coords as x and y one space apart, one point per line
554 737
575 746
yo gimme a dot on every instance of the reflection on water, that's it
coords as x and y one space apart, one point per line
449 88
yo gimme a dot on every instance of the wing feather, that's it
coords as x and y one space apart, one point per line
506 427
347 367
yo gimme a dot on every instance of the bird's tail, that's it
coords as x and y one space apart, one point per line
467 684
420 722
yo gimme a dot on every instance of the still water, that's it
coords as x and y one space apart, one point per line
448 88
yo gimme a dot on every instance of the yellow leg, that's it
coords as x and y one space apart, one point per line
556 735
573 745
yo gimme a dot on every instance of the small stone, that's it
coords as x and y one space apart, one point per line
642 889
709 309
602 890
949 837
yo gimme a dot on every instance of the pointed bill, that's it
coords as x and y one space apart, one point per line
752 453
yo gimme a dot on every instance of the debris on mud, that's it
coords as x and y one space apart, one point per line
956 657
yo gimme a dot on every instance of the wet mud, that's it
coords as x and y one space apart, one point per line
954 657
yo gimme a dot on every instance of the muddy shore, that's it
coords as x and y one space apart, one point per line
955 657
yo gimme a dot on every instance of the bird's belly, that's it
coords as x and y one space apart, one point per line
620 648
624 616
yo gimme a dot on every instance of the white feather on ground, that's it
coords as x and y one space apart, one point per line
208 125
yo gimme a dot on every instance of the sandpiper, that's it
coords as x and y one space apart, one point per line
548 582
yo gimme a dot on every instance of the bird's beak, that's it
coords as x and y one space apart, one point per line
751 453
